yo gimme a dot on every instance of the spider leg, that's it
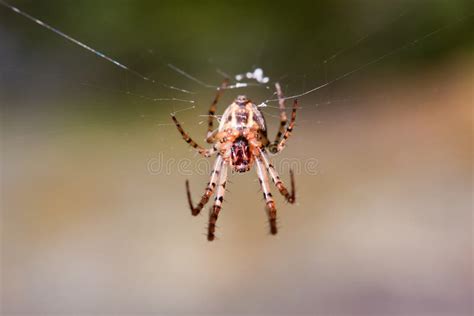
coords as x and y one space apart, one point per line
276 148
212 111
216 208
283 118
263 138
276 178
218 137
209 188
267 195
210 137
203 151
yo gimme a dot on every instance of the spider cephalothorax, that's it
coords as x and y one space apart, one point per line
241 100
239 141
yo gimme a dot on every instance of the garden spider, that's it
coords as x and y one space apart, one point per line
239 141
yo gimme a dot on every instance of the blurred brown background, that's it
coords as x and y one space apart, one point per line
383 220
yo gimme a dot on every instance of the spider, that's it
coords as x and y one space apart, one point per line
239 141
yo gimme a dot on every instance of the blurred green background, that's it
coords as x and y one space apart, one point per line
94 213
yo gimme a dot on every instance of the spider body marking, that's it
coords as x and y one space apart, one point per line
244 130
239 142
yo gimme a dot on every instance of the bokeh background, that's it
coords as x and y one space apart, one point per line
382 223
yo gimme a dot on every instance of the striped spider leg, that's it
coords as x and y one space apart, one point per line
290 197
265 168
212 112
201 150
216 208
267 195
209 191
283 119
211 135
283 134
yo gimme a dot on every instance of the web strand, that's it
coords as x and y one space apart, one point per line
238 84
129 93
378 59
88 48
185 74
363 38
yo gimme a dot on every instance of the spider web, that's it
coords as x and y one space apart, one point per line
189 95
256 73
94 168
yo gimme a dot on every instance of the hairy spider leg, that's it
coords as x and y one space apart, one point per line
211 185
216 208
201 150
267 195
212 111
283 119
289 129
277 180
